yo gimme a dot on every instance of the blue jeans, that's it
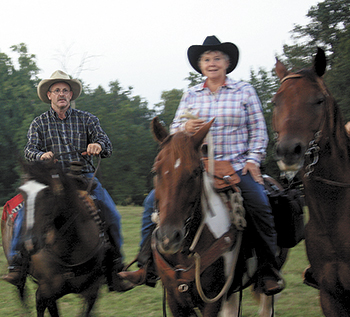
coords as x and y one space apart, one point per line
110 214
257 207
147 223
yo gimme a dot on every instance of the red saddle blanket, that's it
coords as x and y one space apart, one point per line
11 208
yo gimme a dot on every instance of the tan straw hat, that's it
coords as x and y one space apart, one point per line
57 77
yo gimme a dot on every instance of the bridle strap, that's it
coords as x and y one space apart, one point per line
290 77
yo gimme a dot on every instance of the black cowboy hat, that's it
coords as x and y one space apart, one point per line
211 43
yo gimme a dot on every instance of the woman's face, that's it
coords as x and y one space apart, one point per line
214 64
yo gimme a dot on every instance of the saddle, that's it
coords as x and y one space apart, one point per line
81 181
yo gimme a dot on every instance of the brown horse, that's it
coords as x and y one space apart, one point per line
195 246
63 243
312 137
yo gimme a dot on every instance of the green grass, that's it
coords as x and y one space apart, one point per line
297 300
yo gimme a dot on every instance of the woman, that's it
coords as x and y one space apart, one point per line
239 136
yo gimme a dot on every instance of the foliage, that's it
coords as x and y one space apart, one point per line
126 118
330 29
167 107
194 79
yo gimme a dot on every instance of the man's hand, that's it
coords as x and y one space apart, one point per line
47 156
93 149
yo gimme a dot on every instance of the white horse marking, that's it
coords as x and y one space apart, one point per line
177 163
31 188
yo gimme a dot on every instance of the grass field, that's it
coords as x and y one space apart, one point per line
297 300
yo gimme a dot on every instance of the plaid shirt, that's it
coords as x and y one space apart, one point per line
49 133
239 130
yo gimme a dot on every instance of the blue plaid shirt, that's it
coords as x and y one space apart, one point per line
239 130
49 133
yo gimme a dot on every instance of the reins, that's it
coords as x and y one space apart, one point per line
91 181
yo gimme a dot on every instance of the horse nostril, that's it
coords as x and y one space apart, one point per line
298 149
177 236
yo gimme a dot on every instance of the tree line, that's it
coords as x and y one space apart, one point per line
126 118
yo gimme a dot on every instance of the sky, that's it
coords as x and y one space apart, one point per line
144 44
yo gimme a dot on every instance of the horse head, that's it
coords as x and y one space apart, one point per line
44 191
300 107
177 183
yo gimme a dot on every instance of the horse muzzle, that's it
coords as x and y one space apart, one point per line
290 155
169 240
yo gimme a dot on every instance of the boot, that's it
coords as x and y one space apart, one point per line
113 265
144 275
271 282
115 283
15 274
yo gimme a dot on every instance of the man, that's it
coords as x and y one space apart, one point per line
68 132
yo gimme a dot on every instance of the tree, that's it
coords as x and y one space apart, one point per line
329 28
167 107
18 106
194 79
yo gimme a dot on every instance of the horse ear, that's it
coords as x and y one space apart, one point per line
199 136
159 132
280 69
320 62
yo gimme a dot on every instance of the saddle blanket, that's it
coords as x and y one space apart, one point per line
11 208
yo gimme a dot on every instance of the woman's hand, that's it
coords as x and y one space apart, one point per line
193 125
254 170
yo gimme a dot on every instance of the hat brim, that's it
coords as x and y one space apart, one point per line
45 84
195 51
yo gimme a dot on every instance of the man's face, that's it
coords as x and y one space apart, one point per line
60 95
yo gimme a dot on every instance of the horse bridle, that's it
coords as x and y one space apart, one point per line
312 153
194 206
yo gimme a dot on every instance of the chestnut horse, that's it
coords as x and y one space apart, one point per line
311 137
63 242
195 245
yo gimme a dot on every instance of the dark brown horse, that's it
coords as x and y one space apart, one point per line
195 246
63 242
312 137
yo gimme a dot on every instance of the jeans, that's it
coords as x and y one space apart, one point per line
258 209
111 217
147 224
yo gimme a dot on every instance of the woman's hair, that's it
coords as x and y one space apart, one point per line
209 51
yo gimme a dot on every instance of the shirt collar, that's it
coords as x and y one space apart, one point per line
229 83
55 115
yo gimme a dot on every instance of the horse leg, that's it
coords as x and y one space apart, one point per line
334 305
42 303
212 310
176 308
230 306
90 296
266 305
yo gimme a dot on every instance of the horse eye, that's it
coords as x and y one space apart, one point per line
321 101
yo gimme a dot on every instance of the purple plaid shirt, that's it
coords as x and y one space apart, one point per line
239 130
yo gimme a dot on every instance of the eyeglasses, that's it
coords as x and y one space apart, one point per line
58 91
